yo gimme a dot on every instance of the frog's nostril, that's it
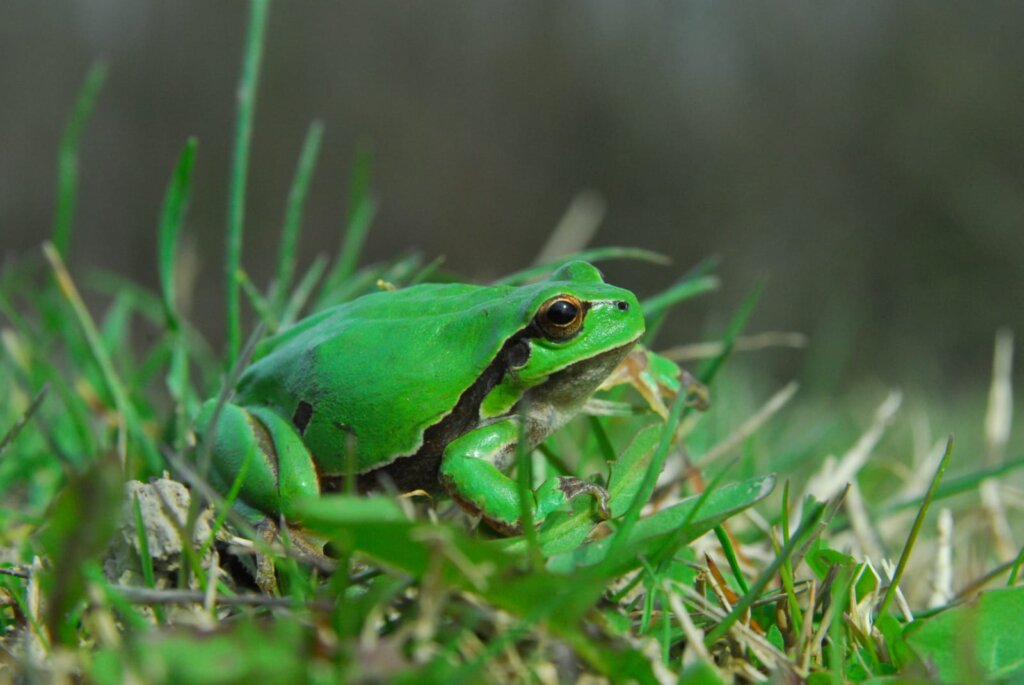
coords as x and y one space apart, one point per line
622 305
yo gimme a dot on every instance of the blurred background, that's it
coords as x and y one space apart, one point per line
865 161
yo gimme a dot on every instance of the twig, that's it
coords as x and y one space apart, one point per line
833 476
15 572
749 427
746 343
20 423
942 582
144 595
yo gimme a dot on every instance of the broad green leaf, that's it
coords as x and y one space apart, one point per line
895 644
822 558
329 511
775 637
628 471
978 640
649 533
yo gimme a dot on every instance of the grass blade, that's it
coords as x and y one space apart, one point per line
596 254
303 291
676 414
890 593
683 290
1015 568
679 409
576 228
808 527
67 160
739 320
176 200
240 169
644 492
127 418
293 216
360 214
730 556
524 483
145 558
656 308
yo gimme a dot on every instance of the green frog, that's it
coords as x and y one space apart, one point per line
428 387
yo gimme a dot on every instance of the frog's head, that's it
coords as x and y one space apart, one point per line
580 329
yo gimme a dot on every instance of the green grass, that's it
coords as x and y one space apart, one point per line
247 88
718 565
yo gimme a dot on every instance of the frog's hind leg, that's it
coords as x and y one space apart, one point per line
266 573
260 447
294 468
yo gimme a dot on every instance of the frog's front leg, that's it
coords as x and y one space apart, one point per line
471 472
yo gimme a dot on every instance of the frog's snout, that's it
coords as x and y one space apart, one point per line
622 305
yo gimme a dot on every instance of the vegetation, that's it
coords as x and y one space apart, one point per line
712 569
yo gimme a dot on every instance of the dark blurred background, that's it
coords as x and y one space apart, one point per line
865 160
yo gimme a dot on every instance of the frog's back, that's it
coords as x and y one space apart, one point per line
379 371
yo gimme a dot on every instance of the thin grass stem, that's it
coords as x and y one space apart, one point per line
890 593
293 217
127 419
67 157
806 529
239 171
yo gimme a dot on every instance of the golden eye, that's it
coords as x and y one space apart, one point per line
561 317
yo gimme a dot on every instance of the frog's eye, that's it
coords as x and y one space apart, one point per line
561 317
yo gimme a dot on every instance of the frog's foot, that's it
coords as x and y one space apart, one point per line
550 496
572 486
697 395
657 379
303 547
309 549
266 574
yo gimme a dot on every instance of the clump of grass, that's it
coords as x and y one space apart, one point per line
707 572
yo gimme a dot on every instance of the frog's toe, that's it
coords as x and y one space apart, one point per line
697 394
572 486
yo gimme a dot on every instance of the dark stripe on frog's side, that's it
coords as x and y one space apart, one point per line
301 417
419 471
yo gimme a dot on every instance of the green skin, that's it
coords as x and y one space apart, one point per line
429 385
